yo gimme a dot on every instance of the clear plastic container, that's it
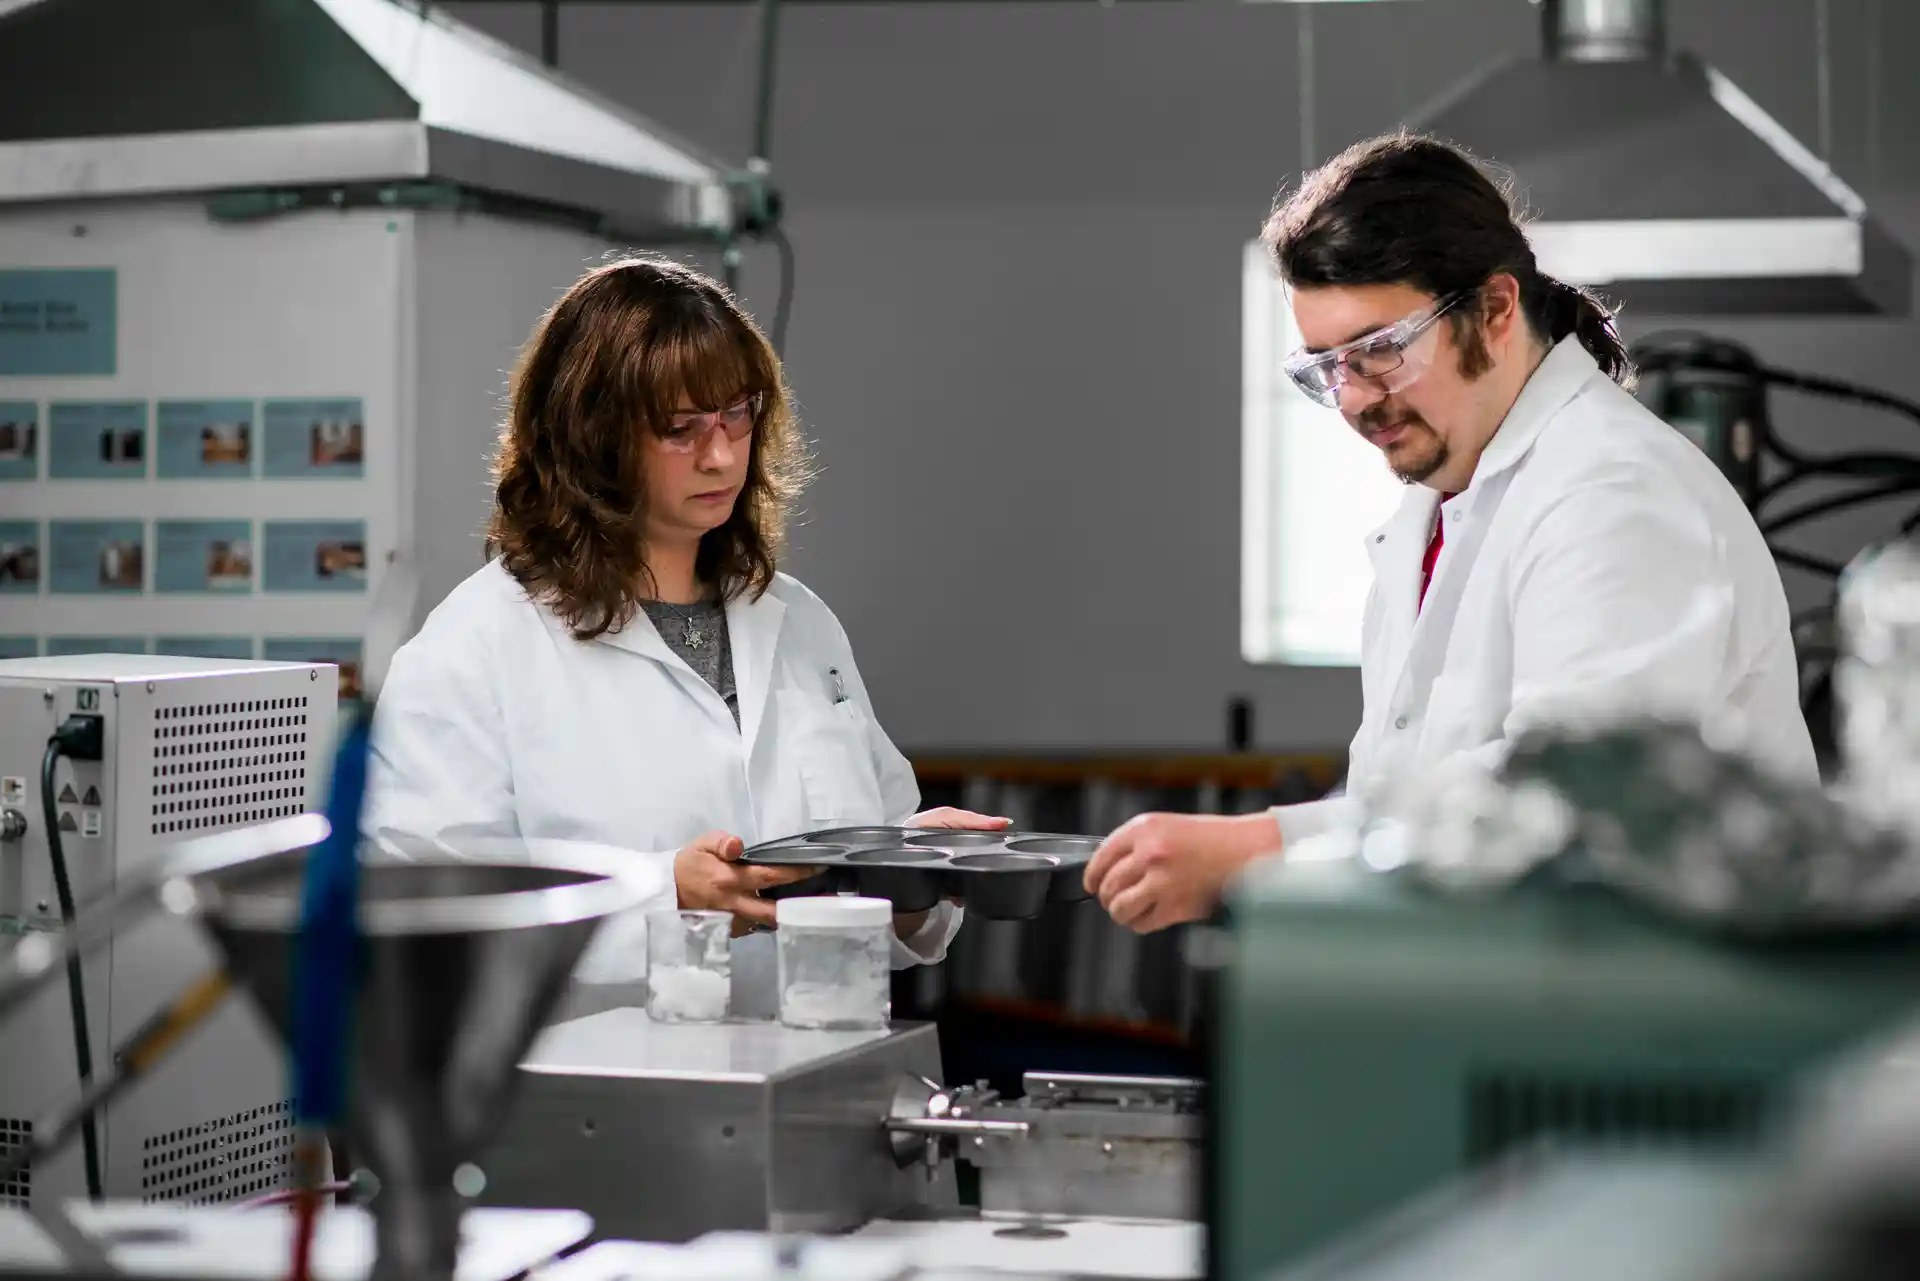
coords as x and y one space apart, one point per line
835 961
689 966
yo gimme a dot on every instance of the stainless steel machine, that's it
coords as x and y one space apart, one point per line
823 1132
162 749
1071 1146
703 1128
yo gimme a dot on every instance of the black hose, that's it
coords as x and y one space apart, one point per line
1840 502
783 309
1863 466
1838 390
1811 564
76 985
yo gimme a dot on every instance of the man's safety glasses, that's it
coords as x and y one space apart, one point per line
689 431
1384 360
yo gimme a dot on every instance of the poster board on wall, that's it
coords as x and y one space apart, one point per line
204 445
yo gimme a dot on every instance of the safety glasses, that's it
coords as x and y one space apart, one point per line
687 432
1386 360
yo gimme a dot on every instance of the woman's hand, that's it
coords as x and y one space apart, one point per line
708 876
908 924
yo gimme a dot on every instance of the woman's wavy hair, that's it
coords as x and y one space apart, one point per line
627 345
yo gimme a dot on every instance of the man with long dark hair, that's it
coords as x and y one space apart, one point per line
1560 549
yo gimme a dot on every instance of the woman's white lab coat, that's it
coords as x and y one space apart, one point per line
1597 560
494 720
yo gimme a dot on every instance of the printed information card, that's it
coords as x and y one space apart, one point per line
204 646
314 556
204 439
20 557
203 556
315 439
94 557
342 651
60 324
19 440
105 440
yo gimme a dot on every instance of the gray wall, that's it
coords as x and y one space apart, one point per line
483 283
1016 334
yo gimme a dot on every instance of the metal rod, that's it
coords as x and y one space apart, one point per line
954 1125
1873 94
37 958
143 1050
1304 78
1823 73
763 108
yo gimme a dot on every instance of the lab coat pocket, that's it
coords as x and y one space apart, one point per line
828 742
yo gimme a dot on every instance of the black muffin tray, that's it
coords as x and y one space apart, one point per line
1003 876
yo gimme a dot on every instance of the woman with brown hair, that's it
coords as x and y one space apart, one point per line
630 668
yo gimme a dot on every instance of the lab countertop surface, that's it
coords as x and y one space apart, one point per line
625 1042
172 1240
888 1250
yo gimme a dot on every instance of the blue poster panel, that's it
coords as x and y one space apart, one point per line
20 557
204 439
97 557
99 440
19 440
204 646
314 556
203 556
58 323
343 652
308 439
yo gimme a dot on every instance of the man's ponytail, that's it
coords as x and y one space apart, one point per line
1569 309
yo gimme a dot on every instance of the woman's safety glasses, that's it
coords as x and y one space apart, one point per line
689 431
1386 360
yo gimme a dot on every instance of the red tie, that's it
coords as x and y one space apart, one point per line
1433 551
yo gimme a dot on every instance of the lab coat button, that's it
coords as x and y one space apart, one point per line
1400 723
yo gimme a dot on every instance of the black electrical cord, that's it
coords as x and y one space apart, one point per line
783 309
1839 502
76 985
1810 564
1836 389
1860 466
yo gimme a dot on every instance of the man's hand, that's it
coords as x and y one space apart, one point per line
708 877
947 816
1166 869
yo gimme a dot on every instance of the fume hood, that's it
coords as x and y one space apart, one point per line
1657 180
115 98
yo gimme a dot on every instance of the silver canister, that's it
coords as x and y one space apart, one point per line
1877 683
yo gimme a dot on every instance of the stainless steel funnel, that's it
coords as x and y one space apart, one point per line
462 959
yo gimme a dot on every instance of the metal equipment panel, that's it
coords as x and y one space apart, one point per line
665 1132
191 747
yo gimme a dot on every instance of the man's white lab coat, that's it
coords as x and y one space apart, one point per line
493 720
1598 559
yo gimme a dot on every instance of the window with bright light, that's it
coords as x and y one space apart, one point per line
1310 491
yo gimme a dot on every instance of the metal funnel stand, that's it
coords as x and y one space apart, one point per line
461 961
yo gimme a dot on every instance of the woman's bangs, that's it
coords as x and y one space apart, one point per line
700 364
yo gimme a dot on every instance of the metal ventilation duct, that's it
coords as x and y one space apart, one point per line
1660 182
110 98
